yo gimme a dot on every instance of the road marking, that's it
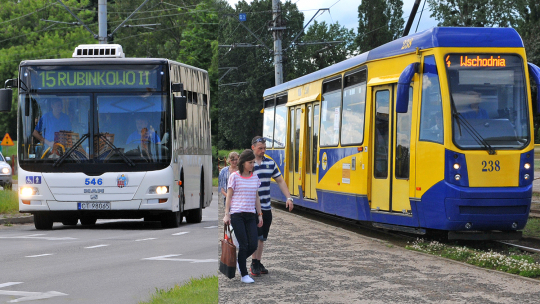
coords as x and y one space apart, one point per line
38 255
145 239
180 233
37 236
210 227
102 245
28 295
168 258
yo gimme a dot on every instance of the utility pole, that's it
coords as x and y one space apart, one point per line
102 20
277 31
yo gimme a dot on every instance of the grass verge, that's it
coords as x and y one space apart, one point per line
9 202
203 290
508 260
215 182
532 229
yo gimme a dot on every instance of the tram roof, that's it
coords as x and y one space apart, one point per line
434 37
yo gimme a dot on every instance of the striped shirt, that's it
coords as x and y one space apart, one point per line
266 171
244 192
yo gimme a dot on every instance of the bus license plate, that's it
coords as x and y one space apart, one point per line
94 206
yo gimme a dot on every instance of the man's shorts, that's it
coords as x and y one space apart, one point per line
267 221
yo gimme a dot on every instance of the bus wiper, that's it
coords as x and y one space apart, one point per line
115 149
470 129
59 161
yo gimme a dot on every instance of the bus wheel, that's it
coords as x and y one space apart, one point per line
70 221
86 221
171 219
43 221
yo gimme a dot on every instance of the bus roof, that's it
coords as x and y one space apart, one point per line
94 61
431 38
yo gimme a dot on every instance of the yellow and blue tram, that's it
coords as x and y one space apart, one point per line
430 132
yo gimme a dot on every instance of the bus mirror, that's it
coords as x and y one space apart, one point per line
177 87
27 104
180 107
6 96
534 72
404 82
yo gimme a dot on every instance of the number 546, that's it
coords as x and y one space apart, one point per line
92 181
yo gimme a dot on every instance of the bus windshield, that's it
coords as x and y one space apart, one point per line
83 128
489 101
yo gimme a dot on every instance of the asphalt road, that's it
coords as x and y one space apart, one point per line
116 261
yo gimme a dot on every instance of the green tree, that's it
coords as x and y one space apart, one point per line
379 22
473 13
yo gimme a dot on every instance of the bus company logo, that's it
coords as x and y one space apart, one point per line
94 196
122 181
324 161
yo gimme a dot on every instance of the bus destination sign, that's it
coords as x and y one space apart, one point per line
84 79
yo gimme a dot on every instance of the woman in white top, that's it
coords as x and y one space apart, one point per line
240 206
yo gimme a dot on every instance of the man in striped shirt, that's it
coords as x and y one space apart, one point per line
265 169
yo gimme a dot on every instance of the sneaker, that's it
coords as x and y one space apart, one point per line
247 279
262 269
255 271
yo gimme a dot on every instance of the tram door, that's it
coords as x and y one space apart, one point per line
296 148
389 186
311 151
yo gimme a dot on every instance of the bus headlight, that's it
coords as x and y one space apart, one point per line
527 166
28 191
457 166
6 170
158 190
457 177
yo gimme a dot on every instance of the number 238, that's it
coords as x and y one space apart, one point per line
490 166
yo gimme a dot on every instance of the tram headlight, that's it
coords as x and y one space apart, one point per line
28 191
457 177
526 176
527 166
457 166
158 190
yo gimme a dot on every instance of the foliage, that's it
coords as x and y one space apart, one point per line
379 22
474 13
203 290
521 264
9 202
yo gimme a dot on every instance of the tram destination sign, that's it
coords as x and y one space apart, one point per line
476 60
88 78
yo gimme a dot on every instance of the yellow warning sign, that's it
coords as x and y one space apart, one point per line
7 141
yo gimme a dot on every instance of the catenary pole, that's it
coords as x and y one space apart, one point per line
102 20
277 30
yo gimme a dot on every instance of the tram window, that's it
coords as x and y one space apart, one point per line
297 139
331 113
354 103
268 122
431 118
309 139
315 157
280 127
403 140
291 138
382 101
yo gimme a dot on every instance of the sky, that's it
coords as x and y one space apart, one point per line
346 12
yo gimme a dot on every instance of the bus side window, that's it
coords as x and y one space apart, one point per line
431 126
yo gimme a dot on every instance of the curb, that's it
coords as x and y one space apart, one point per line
17 220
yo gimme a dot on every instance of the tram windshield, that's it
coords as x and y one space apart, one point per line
84 127
489 101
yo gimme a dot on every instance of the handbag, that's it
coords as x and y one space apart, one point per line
227 263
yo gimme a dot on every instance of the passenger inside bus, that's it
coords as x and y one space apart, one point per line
474 111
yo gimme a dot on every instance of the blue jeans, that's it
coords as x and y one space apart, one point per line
245 230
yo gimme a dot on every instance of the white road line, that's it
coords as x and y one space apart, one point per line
145 239
27 295
38 255
180 233
169 258
9 284
102 245
210 227
37 236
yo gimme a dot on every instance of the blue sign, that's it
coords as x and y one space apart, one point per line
242 17
36 180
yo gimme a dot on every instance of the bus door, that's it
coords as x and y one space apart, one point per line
296 148
311 151
390 152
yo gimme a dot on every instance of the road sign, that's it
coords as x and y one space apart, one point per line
242 17
7 141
